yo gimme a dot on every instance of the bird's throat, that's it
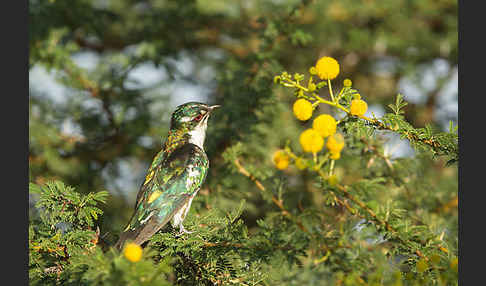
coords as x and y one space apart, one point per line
197 137
179 137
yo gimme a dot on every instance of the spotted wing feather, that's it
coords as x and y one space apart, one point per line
168 186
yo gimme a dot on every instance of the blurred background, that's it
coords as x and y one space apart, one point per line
105 75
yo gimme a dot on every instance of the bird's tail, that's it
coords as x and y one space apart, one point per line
141 233
138 235
124 236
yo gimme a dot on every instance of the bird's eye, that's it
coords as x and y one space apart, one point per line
198 118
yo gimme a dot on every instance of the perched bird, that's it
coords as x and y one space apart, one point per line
174 177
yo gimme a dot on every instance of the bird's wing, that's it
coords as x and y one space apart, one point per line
167 187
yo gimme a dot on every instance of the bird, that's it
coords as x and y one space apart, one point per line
174 177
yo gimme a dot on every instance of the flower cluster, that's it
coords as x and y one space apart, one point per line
281 159
324 126
323 132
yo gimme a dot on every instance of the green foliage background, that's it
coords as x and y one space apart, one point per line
255 225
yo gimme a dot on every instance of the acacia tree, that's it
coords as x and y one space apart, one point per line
278 207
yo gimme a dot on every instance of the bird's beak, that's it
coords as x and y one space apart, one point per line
211 108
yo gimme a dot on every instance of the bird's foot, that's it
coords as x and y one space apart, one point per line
182 230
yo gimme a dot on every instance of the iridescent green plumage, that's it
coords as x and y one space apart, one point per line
174 177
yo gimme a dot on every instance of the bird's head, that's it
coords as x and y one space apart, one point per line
191 118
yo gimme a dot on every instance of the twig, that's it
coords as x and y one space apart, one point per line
278 202
239 245
374 217
432 141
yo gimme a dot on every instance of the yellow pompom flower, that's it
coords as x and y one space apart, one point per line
281 159
335 155
325 124
358 107
302 109
347 82
132 252
311 141
335 143
327 68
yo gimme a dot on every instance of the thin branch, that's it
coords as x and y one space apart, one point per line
259 185
374 217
